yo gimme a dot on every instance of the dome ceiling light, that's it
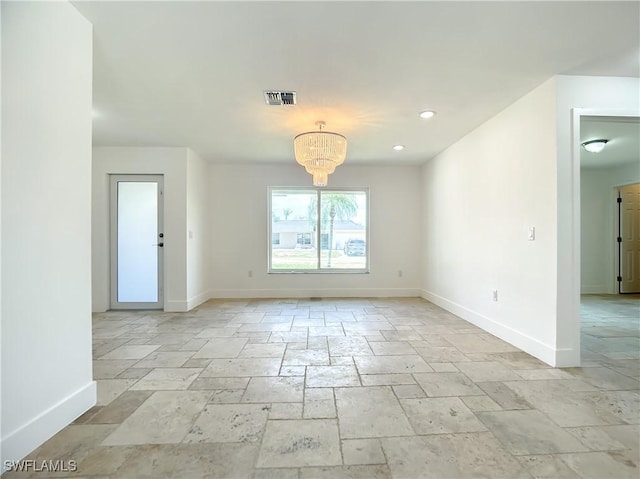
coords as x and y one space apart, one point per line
594 146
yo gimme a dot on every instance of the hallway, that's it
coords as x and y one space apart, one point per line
610 332
357 388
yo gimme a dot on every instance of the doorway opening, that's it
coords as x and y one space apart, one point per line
608 320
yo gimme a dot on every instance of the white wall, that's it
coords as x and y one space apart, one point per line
46 216
599 223
198 238
239 218
170 162
519 169
480 197
604 95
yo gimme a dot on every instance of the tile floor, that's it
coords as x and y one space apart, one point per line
351 388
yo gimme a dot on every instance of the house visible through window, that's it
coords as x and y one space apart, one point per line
304 239
318 230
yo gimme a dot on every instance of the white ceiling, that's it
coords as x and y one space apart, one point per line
193 73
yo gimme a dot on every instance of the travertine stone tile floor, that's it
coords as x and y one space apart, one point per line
366 388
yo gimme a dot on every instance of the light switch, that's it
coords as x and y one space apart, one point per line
532 233
190 234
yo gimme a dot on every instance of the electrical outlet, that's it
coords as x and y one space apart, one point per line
495 295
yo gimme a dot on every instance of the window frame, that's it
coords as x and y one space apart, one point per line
318 230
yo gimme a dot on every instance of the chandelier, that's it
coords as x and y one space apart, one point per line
320 152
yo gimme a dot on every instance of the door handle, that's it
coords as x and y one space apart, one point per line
160 245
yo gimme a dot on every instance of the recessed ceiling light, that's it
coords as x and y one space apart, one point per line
594 146
427 114
398 147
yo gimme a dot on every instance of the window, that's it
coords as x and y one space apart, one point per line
304 239
319 230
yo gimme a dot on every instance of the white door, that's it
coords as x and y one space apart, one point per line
137 242
629 276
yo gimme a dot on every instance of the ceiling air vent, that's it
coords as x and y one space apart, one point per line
280 97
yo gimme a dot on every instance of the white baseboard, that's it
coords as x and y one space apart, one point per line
544 352
198 299
567 358
596 289
176 306
17 444
316 293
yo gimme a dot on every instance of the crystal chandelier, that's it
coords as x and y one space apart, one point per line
320 152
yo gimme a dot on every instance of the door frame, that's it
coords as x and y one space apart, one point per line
114 179
573 284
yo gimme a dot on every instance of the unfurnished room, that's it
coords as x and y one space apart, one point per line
320 239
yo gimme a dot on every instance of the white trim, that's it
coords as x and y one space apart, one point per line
181 306
318 228
596 289
17 444
198 299
176 306
316 293
114 181
542 351
566 357
575 277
